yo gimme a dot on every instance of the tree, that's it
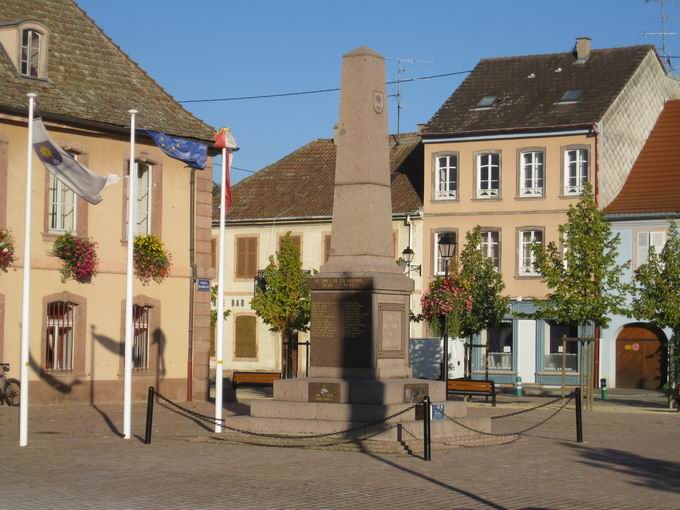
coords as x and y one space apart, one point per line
213 308
656 297
284 302
584 278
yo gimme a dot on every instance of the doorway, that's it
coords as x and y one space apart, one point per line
640 358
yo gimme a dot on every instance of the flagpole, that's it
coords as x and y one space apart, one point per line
219 340
127 392
26 296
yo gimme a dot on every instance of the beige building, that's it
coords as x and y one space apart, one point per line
85 86
295 195
510 150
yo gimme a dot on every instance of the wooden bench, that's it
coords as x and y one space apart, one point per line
264 378
466 387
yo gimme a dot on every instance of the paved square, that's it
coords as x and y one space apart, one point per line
631 459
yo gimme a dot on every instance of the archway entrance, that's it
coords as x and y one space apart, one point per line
640 358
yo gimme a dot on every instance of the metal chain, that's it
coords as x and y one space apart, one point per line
222 423
522 411
517 433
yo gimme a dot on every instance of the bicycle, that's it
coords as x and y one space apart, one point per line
9 389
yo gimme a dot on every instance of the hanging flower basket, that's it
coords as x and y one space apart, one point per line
152 260
448 301
6 250
79 257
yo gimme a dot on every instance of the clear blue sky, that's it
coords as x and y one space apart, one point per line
207 49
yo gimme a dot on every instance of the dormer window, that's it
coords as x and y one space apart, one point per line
486 102
572 96
30 53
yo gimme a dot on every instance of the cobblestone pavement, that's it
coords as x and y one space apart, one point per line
77 460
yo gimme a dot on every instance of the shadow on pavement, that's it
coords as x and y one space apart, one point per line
647 472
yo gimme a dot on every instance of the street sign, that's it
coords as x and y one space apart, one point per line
203 285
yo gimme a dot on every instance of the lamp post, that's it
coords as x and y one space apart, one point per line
408 255
446 247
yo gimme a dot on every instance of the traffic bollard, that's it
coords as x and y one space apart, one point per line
579 416
519 391
603 388
427 452
149 415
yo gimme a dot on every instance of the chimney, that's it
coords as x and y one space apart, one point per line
582 49
419 128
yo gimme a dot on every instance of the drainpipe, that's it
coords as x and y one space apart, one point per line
410 298
596 179
192 263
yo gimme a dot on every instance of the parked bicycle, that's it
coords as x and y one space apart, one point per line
9 388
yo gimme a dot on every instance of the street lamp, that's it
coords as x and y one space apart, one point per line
408 255
447 248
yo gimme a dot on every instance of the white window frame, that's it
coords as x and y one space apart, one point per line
28 49
527 238
445 175
488 244
57 204
501 360
439 264
141 218
534 167
59 336
652 239
576 171
552 360
140 341
489 191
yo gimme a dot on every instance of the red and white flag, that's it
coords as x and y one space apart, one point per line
225 140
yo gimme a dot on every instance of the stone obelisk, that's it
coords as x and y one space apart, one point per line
360 299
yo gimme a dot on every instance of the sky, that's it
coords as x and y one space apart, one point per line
219 49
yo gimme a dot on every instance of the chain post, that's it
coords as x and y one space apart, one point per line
579 416
149 415
427 444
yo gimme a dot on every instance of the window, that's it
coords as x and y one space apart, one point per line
446 180
528 238
246 257
142 191
61 207
59 336
498 342
553 353
491 247
575 171
486 102
326 247
245 337
140 341
488 175
531 174
439 262
647 241
572 96
30 53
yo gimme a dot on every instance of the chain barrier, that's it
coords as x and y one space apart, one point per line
516 433
522 411
268 435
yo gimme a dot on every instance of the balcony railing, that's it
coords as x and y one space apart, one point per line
531 192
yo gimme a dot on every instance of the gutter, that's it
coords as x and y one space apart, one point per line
641 216
304 219
507 136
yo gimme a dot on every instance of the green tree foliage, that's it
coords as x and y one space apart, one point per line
484 285
285 303
656 296
213 309
584 278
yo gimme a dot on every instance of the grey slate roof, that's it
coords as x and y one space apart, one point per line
300 185
529 89
89 77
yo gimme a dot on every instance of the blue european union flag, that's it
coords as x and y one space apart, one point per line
192 153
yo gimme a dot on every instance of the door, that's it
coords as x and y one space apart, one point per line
640 358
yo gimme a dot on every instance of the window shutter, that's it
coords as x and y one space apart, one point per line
326 247
245 344
241 257
642 247
394 243
251 257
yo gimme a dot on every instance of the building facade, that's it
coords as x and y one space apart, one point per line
85 86
510 151
295 195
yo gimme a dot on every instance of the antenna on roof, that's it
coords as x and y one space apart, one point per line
665 52
401 68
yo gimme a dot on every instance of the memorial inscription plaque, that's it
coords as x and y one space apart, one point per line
414 393
324 392
391 328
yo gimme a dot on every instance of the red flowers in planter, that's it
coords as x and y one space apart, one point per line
152 260
6 250
448 301
79 257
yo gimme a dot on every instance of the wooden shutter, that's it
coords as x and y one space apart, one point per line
213 253
326 247
251 257
297 242
395 237
245 343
